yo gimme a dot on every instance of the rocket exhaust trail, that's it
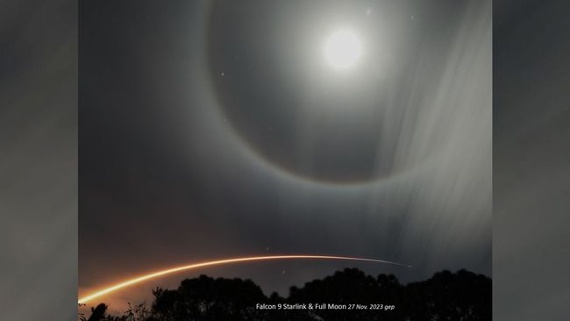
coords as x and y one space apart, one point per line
160 273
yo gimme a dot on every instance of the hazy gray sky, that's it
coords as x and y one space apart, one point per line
214 131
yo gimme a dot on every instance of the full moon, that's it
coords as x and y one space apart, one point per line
342 49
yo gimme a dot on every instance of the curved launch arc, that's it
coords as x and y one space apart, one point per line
164 272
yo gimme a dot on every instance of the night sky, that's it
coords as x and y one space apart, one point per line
218 129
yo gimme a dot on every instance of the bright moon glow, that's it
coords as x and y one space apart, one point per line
343 49
160 273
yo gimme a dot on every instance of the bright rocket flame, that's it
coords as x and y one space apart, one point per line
222 262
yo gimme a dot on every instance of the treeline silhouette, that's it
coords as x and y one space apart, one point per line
460 296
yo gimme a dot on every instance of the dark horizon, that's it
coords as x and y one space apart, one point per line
346 293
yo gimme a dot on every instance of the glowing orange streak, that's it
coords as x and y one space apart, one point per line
226 261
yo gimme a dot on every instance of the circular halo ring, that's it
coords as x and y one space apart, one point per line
258 157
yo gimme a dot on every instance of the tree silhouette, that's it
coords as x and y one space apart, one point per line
97 313
138 312
209 299
460 296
